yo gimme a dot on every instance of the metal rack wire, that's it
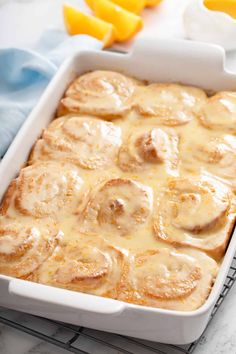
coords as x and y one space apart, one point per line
81 340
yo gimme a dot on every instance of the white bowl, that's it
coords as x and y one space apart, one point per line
205 25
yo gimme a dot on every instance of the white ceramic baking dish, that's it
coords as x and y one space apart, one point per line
163 60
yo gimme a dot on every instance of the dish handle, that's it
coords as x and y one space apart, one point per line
25 292
203 54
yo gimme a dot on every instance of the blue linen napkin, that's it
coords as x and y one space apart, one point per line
25 73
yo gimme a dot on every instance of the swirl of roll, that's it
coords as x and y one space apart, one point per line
103 93
23 248
85 265
44 189
153 146
219 113
173 104
119 206
218 156
85 141
195 212
176 280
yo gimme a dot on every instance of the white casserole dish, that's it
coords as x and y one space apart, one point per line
163 60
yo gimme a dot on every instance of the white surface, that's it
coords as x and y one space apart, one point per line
22 21
18 26
209 26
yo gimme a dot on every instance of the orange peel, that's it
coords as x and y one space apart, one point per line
227 6
126 23
153 2
135 6
77 22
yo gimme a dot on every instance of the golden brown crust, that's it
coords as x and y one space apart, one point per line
87 265
104 93
173 104
216 155
118 206
179 280
23 248
219 113
85 141
8 197
195 213
41 191
149 147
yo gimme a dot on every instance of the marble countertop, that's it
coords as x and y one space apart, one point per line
20 27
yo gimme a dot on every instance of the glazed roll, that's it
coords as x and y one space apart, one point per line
197 213
102 93
129 194
119 206
173 104
216 155
85 141
86 265
44 189
219 113
176 280
147 147
24 247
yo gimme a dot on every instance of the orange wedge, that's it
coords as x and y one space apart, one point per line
227 6
77 22
125 22
135 6
152 2
90 3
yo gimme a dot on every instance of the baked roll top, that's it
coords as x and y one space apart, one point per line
24 247
118 206
87 265
217 155
147 147
219 113
85 141
44 189
103 93
173 104
195 212
177 280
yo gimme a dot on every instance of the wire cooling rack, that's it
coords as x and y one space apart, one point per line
82 340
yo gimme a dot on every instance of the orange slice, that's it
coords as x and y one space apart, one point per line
135 6
227 6
77 22
152 2
90 3
125 22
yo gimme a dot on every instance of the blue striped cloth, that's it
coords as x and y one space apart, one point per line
25 73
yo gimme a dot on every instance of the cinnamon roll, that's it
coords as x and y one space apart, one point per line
103 93
85 141
24 247
146 202
195 212
119 206
218 156
149 146
219 113
44 189
85 265
176 280
173 104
